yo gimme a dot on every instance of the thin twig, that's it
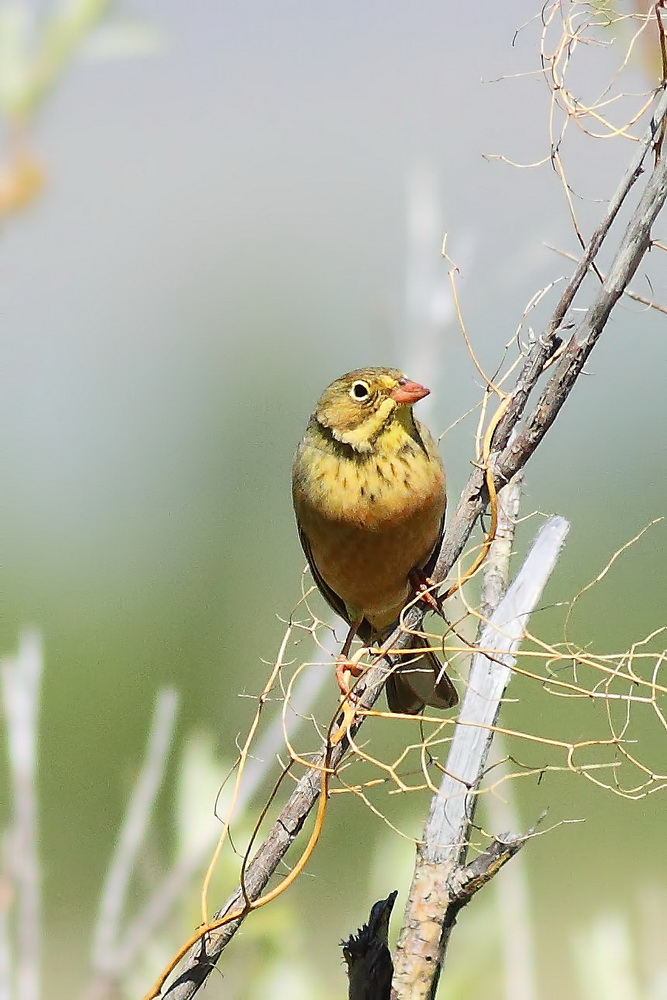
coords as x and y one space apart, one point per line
21 677
635 296
440 872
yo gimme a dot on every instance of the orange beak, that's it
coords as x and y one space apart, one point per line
409 392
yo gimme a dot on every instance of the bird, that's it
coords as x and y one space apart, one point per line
369 496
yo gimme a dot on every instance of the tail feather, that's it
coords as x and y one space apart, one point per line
419 683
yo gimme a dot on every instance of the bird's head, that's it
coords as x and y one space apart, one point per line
363 404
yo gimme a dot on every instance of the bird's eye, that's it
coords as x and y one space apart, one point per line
359 390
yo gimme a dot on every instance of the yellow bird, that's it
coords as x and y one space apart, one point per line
368 487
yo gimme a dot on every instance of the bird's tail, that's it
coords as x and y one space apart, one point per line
420 682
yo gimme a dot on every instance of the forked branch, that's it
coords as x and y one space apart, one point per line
442 881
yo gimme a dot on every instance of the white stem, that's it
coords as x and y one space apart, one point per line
21 676
135 826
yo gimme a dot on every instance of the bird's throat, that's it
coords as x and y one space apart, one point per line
363 437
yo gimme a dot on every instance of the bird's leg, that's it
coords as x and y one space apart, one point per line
344 665
346 668
423 586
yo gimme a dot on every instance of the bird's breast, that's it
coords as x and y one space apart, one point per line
369 522
369 491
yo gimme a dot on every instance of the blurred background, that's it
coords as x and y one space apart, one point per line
222 208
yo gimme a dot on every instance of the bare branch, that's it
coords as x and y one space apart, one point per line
284 832
466 881
437 883
635 296
636 241
632 247
21 677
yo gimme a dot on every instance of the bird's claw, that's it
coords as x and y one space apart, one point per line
348 668
423 587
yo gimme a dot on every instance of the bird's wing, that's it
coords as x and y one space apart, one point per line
330 596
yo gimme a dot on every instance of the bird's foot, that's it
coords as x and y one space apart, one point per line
423 587
348 667
347 670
